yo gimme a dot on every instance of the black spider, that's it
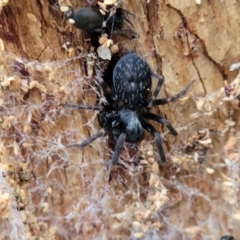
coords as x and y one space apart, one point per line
125 115
227 237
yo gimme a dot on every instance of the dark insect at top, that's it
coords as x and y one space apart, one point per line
90 19
87 19
132 81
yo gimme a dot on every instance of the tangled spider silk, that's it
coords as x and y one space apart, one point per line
51 192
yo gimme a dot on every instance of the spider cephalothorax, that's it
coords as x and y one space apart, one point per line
129 103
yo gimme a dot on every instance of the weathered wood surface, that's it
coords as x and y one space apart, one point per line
69 196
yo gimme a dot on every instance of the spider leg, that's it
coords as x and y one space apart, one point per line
104 85
127 21
162 101
87 141
116 22
125 14
157 89
157 139
162 120
117 149
128 30
83 106
109 120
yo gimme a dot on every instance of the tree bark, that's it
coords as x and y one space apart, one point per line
53 192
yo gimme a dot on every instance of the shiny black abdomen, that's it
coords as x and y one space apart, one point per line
88 19
132 81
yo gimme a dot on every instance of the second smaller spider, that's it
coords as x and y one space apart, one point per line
91 19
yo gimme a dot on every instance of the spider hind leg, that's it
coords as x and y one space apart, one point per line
87 141
161 120
83 106
158 141
106 88
162 101
117 150
157 89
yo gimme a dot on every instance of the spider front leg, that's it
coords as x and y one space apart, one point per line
117 150
87 141
95 136
162 101
158 141
127 30
162 120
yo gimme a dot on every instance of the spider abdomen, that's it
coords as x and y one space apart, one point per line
132 81
88 19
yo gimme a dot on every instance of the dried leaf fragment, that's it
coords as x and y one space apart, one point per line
114 48
233 156
25 176
236 215
90 64
32 17
16 148
109 2
153 180
138 235
230 122
193 230
45 207
137 225
144 162
64 8
209 170
41 87
6 82
3 3
5 202
103 7
205 142
104 53
8 122
234 66
230 144
1 45
103 39
27 145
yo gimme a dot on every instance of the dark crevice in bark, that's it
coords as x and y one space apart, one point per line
205 53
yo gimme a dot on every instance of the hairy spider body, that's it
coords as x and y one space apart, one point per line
126 112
